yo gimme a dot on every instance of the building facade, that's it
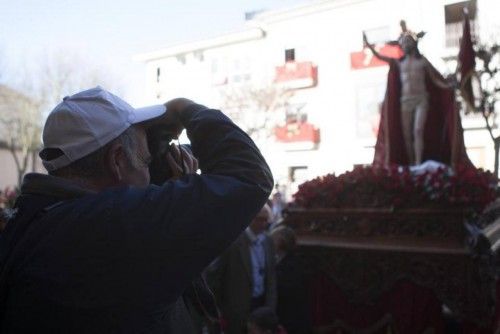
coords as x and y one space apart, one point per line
300 81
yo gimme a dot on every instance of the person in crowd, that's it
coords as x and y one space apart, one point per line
278 205
93 248
291 277
243 277
264 321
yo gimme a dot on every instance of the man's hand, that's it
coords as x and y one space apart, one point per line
171 120
177 161
172 117
178 105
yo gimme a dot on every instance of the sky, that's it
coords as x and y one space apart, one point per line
109 33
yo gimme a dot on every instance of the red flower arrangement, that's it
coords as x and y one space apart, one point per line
398 187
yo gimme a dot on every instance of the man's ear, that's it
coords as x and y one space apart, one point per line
116 162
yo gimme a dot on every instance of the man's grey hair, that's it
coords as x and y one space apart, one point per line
94 165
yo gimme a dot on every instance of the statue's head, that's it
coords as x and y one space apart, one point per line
408 40
408 43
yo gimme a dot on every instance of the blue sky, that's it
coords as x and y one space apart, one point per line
111 32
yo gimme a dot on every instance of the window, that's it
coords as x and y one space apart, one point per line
453 15
289 55
158 88
236 78
215 66
240 70
181 59
250 15
297 174
199 55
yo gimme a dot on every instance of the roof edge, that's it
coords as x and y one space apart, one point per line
222 40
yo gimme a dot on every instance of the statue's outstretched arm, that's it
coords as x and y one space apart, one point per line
375 52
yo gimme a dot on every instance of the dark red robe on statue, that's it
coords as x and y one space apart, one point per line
443 133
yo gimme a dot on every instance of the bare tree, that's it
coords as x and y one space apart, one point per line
488 92
66 74
257 108
20 126
36 92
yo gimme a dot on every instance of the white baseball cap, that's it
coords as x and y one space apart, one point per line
84 122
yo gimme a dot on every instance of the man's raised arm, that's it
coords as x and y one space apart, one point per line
185 224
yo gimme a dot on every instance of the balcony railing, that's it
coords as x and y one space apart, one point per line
295 75
297 132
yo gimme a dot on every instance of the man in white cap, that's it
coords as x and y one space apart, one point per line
92 247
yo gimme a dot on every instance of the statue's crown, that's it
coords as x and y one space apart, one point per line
405 33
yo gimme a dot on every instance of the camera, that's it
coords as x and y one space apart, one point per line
159 144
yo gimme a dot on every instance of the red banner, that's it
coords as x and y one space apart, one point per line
467 63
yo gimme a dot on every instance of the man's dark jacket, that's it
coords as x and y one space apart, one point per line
293 301
231 277
115 261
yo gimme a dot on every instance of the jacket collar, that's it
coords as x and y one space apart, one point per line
252 237
47 185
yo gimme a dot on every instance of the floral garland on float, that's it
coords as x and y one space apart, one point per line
431 185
